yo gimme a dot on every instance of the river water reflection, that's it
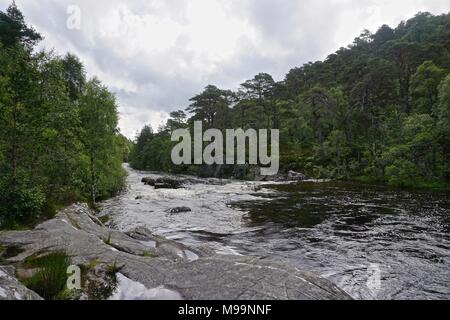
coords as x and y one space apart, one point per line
374 242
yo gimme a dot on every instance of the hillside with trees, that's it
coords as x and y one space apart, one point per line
59 140
375 111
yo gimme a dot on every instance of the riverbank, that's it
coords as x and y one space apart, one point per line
161 268
252 173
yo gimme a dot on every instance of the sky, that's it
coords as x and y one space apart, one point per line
157 54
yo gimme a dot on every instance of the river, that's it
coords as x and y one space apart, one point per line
373 242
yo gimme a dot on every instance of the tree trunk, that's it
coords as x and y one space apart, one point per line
93 181
14 144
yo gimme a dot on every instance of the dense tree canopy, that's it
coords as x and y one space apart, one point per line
377 110
59 140
14 30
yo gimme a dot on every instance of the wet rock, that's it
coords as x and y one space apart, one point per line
291 176
148 181
168 264
253 173
163 182
166 247
163 186
168 182
205 181
296 176
10 251
179 210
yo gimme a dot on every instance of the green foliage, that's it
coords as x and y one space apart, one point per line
59 141
148 254
210 106
416 157
50 279
377 110
2 252
20 201
13 29
425 86
402 173
335 152
153 151
107 240
442 112
104 219
98 113
103 288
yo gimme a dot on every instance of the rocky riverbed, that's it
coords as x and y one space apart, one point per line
373 242
148 266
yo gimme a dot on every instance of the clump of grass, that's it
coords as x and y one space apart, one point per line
107 240
103 282
74 222
2 252
113 269
91 265
50 279
148 254
104 219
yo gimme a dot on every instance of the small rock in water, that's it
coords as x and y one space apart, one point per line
148 181
163 186
163 183
180 210
297 176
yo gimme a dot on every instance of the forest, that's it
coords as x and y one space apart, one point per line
377 111
59 140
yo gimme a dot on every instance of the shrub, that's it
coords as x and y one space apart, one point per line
403 173
20 201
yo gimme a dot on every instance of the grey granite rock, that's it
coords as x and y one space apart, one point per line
155 261
12 289
166 182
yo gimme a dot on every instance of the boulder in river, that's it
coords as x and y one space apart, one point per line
290 176
148 181
179 210
296 176
163 182
253 173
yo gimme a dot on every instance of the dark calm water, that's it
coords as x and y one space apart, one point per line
375 243
350 232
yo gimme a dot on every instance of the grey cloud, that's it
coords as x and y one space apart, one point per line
151 84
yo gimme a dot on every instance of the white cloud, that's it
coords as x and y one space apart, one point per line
156 54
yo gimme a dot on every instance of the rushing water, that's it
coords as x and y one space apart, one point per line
375 243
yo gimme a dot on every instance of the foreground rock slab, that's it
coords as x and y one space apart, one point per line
12 289
153 261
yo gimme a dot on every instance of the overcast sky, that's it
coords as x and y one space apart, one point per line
156 54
